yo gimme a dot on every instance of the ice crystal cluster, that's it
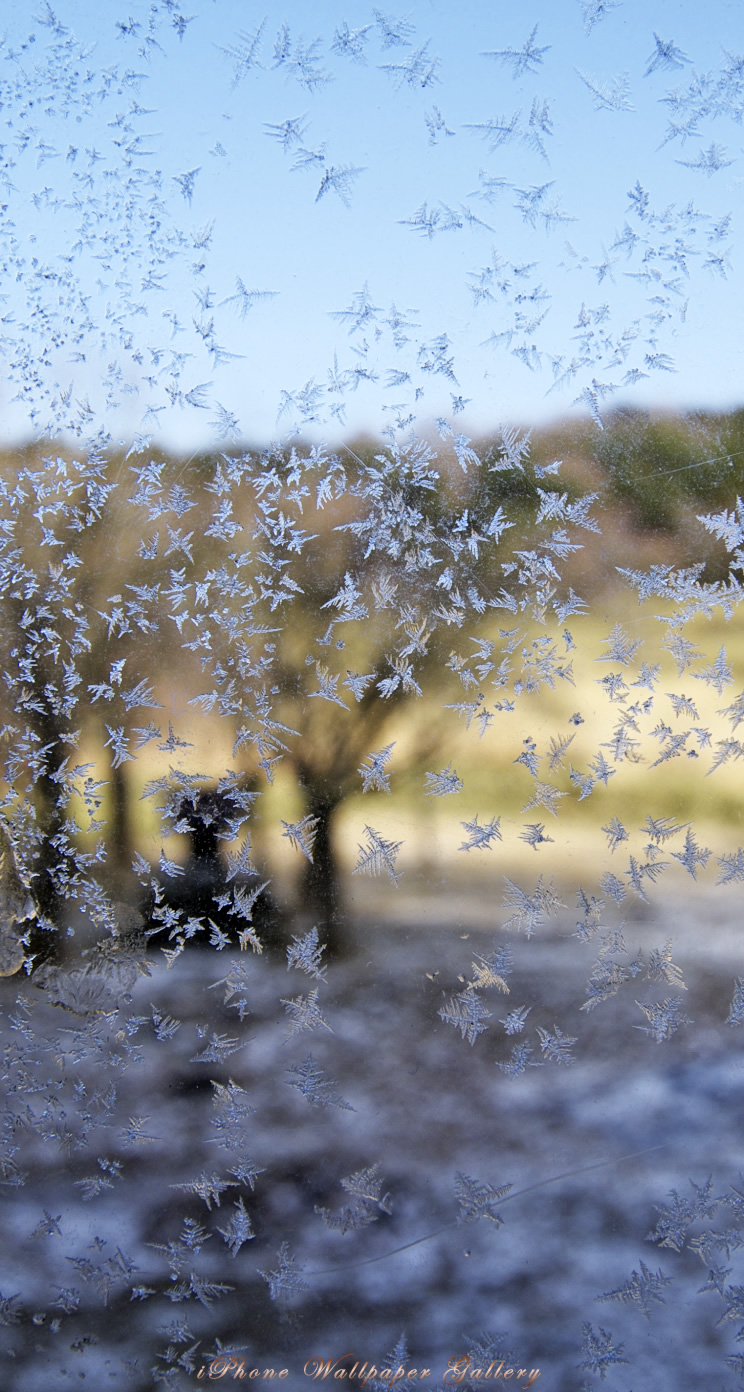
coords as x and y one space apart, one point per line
291 652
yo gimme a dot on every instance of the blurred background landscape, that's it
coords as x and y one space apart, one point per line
184 1131
648 480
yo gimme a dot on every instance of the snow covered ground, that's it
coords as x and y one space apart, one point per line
143 1267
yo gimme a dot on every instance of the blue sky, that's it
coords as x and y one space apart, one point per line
474 175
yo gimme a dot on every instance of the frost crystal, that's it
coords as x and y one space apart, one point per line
664 1018
515 1021
365 1187
378 856
600 1351
268 555
556 1046
302 834
444 783
374 777
287 1279
481 836
643 1289
478 1199
305 955
316 1086
239 1229
736 1011
467 1012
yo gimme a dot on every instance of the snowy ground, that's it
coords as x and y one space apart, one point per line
426 1105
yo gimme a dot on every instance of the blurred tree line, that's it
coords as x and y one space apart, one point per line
114 589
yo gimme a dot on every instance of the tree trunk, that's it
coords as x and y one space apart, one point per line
47 934
119 850
322 897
